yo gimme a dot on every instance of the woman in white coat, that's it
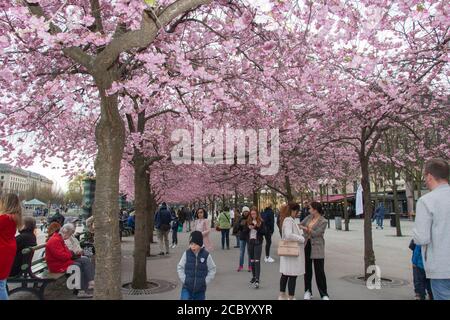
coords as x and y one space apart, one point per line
291 267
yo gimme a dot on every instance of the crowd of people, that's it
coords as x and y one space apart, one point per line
301 249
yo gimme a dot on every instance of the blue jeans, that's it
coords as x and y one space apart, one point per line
380 221
3 292
242 245
187 295
441 289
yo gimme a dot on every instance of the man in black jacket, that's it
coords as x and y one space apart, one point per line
269 221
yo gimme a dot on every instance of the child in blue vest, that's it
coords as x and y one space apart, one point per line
421 283
196 269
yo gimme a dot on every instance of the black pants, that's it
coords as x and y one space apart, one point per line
319 270
422 285
175 236
268 237
254 254
225 238
290 281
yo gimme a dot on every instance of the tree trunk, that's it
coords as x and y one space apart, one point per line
346 215
255 198
141 193
409 189
395 196
110 139
369 254
287 183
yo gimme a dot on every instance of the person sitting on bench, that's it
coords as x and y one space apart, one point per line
25 239
59 258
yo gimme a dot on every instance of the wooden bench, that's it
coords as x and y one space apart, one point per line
34 277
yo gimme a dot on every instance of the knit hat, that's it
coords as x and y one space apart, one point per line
244 209
197 238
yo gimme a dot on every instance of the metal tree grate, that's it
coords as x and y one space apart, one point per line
154 286
385 282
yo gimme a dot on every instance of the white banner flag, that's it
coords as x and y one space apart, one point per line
359 200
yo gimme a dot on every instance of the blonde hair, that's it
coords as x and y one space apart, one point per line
10 205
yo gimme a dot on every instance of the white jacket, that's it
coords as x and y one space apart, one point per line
293 266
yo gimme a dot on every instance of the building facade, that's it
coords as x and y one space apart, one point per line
18 181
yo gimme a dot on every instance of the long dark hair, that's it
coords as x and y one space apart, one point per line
205 213
317 206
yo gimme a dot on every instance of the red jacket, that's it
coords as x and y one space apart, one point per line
57 255
7 244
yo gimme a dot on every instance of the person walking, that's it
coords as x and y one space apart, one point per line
291 267
175 223
162 224
379 214
314 227
10 221
196 269
268 217
254 231
224 220
201 224
432 227
243 239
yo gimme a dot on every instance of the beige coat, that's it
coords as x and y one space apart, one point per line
293 266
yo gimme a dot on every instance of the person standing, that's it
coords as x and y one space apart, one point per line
196 269
237 219
268 217
162 224
254 232
242 239
10 221
225 225
314 227
432 227
291 267
422 285
201 224
305 211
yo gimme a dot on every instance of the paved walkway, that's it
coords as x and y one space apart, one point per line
344 257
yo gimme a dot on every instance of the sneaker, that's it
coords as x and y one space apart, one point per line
251 283
83 295
256 284
167 253
283 297
161 253
325 298
240 269
270 260
265 259
307 296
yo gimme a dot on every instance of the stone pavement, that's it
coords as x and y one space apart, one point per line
344 257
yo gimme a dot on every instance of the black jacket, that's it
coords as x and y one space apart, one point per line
25 239
269 219
261 231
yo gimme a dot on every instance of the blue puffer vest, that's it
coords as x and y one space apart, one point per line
196 270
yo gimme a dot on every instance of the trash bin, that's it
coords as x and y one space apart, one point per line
338 223
393 221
